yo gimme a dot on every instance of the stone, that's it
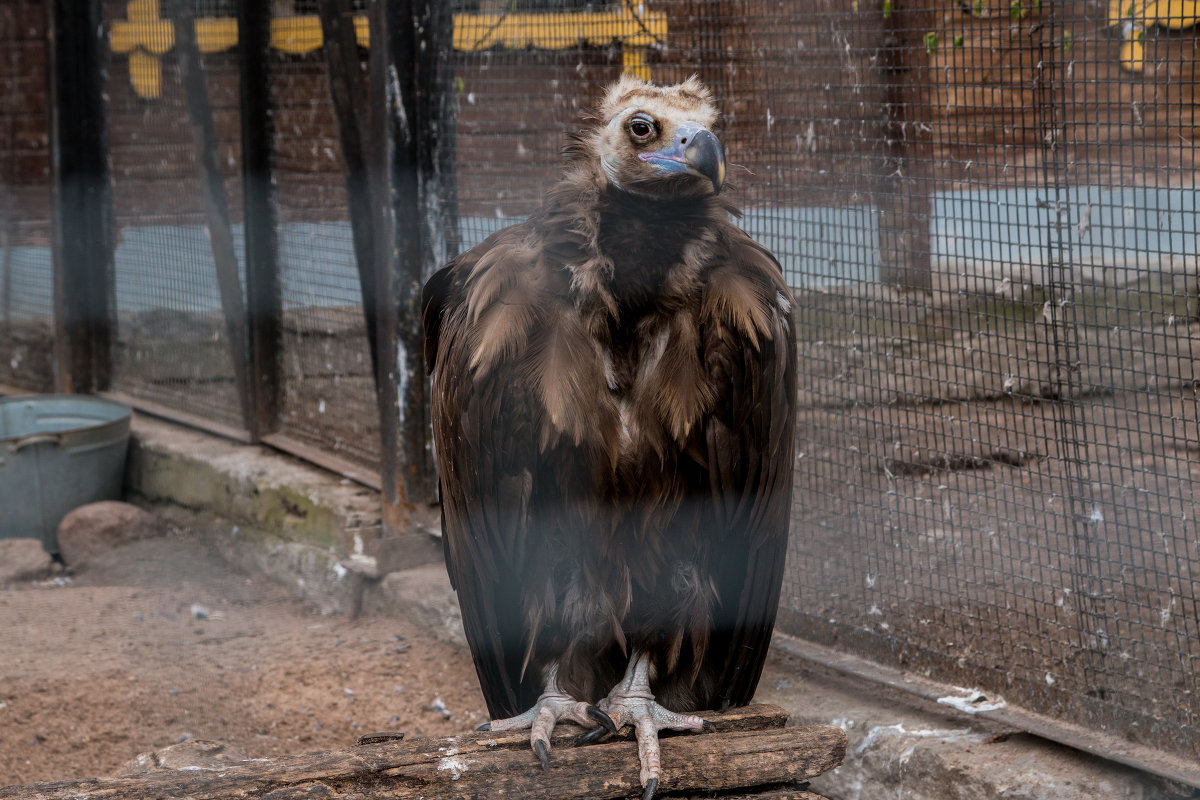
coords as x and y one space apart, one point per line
97 528
191 754
22 561
425 594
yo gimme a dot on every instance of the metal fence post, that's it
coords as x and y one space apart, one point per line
421 132
392 367
264 303
81 197
394 178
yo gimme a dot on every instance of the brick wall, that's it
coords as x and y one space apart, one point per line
24 137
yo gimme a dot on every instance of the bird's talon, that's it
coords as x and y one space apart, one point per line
596 734
602 719
708 727
487 726
543 753
651 788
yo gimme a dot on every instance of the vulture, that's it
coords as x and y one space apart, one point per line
613 407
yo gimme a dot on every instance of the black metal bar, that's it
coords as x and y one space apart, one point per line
401 132
387 228
216 203
350 106
421 133
264 302
81 196
437 138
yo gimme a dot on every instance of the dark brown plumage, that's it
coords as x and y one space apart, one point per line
613 411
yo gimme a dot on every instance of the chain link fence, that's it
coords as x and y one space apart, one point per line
988 213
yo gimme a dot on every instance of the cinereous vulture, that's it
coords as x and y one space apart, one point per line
614 388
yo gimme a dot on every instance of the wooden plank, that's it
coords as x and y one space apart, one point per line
171 414
323 459
487 764
769 794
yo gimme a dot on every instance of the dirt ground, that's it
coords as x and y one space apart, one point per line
159 640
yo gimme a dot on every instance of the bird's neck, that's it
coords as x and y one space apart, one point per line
647 239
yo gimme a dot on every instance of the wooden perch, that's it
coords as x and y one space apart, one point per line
750 750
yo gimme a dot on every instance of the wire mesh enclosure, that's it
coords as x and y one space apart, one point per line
172 346
26 276
988 214
987 211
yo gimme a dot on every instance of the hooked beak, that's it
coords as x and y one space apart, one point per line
695 151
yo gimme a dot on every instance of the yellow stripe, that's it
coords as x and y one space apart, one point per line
145 35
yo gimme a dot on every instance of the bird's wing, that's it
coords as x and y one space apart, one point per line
480 455
514 480
751 360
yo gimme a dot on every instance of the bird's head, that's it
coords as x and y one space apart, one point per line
658 140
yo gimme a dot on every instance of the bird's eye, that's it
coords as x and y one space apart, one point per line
641 129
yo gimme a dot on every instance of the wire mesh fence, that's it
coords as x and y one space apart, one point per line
26 274
172 346
987 211
328 382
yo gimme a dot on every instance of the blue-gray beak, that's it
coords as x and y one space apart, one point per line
695 151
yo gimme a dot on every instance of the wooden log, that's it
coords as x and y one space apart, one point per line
749 751
769 794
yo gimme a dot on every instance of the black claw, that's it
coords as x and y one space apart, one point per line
487 726
651 788
708 727
596 734
543 753
602 719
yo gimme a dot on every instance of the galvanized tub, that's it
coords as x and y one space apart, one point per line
57 452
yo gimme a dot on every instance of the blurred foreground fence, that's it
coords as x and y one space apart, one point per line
987 210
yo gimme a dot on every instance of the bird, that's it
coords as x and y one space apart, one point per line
613 405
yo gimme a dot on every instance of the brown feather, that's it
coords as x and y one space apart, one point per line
568 372
734 299
681 393
613 413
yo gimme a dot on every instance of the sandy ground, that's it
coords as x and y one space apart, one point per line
160 640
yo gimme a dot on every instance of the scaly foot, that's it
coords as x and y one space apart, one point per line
551 707
631 703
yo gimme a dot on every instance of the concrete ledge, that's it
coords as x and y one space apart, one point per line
264 511
251 485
